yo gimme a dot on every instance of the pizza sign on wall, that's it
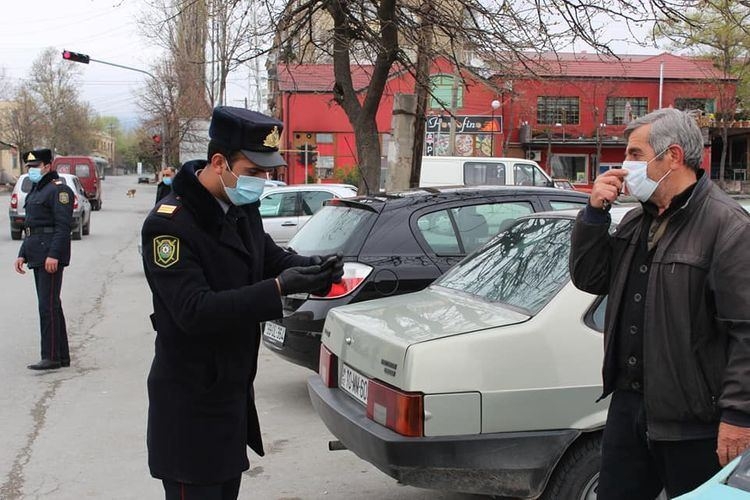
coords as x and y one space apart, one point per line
473 135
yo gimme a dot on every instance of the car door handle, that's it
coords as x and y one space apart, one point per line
288 224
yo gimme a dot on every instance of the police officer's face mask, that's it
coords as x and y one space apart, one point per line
35 174
247 189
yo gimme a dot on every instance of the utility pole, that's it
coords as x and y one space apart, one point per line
454 105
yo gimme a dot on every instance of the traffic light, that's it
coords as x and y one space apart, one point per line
307 154
75 57
156 138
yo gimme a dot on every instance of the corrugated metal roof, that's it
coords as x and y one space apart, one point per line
317 77
585 65
320 77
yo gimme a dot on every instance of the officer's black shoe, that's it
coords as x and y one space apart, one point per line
45 364
65 362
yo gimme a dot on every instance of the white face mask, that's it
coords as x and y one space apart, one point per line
638 182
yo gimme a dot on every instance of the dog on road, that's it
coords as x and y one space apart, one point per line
130 193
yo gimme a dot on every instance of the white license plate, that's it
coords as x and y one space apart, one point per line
274 332
353 383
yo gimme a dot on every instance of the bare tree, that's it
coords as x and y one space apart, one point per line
160 101
717 31
390 35
65 122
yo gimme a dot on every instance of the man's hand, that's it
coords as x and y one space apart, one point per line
50 265
732 441
303 279
19 265
607 187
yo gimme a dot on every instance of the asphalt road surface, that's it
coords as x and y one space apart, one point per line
79 432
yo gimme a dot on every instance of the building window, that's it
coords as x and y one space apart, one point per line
622 110
551 110
693 103
442 92
571 167
324 138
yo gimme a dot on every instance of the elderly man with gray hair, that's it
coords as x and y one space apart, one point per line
677 328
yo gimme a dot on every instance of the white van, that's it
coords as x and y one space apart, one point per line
466 171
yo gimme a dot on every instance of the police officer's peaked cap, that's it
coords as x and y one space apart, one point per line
256 135
37 156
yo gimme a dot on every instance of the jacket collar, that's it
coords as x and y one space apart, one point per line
206 210
46 179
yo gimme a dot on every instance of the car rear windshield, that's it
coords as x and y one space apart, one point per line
524 266
335 228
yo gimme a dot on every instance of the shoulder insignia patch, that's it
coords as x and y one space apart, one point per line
166 209
63 197
166 250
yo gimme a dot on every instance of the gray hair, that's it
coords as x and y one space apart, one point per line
672 126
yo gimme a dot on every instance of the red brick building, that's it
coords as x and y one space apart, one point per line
569 117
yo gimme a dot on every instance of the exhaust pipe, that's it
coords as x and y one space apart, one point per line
336 445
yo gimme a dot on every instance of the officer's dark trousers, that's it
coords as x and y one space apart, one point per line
222 491
637 468
51 319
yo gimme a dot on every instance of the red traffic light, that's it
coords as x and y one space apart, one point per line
75 57
156 138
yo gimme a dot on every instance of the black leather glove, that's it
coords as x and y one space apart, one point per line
334 262
304 279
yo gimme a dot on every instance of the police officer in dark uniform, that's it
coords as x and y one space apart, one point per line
165 186
46 250
215 275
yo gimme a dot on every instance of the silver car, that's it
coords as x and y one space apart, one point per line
81 206
286 209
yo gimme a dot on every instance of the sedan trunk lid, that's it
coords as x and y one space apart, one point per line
374 337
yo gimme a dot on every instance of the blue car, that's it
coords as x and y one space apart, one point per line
731 483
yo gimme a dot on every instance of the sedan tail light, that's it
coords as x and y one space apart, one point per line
328 367
402 412
14 201
354 275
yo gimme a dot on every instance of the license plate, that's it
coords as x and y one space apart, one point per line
274 332
353 383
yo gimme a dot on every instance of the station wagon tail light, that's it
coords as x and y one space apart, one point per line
354 275
14 201
402 412
328 367
75 202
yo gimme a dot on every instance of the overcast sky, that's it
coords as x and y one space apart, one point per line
104 29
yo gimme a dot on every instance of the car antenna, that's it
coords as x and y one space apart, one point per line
361 174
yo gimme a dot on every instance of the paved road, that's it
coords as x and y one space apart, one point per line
78 433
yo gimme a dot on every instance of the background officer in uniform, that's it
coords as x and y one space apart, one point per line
215 275
46 250
165 186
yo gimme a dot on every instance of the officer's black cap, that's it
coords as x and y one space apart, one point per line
256 135
36 156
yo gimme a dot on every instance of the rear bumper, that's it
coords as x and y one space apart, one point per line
516 464
299 347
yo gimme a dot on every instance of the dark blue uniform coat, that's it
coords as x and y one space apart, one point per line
212 279
49 205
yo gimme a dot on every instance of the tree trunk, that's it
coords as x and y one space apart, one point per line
368 151
422 82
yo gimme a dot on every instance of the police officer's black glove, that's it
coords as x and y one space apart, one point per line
334 261
304 279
